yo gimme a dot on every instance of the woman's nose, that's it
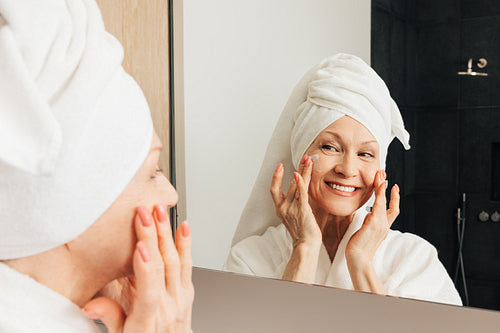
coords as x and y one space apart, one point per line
346 166
171 195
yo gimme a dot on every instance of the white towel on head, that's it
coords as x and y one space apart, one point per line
74 127
340 85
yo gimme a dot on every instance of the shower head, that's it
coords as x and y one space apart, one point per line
481 64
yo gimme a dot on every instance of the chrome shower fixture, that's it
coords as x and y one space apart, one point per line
481 64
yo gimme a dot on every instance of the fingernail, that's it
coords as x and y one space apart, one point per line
186 231
397 187
385 174
161 213
296 176
386 183
303 160
308 162
145 217
278 168
143 251
90 314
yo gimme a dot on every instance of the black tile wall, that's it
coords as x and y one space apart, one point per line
436 150
479 8
438 49
479 128
442 10
396 7
435 221
453 121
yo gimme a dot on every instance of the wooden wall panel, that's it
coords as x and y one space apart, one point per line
142 28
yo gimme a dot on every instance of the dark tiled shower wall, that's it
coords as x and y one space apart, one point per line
418 46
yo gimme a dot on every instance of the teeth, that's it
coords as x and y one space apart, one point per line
342 188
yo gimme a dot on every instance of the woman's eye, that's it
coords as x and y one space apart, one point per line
329 148
366 155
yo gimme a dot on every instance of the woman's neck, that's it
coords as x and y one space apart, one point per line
56 270
332 227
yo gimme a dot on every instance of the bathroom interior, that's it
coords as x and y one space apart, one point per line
423 50
236 62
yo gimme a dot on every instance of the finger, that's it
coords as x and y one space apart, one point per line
183 244
306 174
108 311
145 230
168 250
380 204
302 190
292 193
276 192
148 265
302 164
393 210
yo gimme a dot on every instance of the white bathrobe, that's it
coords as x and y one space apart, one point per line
29 307
406 264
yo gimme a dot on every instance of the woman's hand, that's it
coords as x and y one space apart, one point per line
365 242
159 296
296 214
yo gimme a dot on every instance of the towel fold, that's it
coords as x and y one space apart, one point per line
69 115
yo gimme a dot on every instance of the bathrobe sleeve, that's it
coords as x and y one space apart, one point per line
264 256
415 270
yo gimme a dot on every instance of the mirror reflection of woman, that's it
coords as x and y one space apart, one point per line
332 225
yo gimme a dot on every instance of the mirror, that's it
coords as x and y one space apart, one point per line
242 60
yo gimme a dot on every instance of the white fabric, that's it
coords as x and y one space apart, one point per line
406 264
74 127
28 306
340 85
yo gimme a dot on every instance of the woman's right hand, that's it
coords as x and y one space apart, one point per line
296 214
293 208
160 293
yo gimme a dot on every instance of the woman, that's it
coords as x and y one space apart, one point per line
335 227
83 202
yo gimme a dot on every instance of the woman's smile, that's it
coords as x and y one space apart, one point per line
341 189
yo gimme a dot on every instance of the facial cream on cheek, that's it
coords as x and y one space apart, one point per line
315 160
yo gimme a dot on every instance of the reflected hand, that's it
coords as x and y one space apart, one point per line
364 243
159 296
293 208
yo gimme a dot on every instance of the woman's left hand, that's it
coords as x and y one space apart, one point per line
364 243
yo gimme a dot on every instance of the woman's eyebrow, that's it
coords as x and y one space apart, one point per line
338 137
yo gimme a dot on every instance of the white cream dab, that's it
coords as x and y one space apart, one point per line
315 160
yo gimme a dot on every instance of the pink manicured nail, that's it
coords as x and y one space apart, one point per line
397 188
161 213
278 168
143 251
146 218
186 231
303 160
90 314
296 176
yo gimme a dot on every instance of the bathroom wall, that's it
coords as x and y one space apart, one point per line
418 47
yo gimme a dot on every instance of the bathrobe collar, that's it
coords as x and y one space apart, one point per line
28 306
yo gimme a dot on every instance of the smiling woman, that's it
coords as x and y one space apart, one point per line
335 226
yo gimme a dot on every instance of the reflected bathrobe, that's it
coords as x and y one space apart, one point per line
27 306
406 264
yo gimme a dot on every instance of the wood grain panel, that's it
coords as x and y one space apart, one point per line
142 28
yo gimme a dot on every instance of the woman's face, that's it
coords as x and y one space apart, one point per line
345 167
109 243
